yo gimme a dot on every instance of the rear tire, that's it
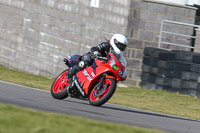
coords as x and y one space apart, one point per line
59 86
99 97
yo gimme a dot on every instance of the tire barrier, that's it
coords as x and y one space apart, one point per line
174 71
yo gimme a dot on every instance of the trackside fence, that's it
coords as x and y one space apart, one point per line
162 31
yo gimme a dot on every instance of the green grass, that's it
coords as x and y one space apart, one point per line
25 79
19 120
153 100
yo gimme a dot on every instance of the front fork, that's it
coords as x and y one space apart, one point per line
101 82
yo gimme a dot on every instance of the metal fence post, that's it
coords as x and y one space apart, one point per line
178 34
160 37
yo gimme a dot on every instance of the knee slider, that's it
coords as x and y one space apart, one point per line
81 64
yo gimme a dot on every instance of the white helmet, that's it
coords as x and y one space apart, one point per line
118 43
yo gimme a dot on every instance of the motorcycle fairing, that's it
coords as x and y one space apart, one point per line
76 89
89 75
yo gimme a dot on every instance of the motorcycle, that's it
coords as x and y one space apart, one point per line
96 83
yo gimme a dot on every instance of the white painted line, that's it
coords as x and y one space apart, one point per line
24 86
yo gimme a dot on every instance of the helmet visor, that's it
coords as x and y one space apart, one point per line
120 45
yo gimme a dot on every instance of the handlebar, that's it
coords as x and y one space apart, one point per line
103 58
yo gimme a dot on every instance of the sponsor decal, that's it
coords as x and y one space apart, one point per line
87 74
78 86
92 74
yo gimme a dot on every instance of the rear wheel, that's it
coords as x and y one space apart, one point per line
100 96
59 86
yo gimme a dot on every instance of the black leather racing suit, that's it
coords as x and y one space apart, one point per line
87 59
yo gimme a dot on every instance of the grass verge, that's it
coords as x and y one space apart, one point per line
19 120
153 100
25 79
158 101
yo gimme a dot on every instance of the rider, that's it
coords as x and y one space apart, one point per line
117 43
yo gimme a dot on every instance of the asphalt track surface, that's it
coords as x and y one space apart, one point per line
42 100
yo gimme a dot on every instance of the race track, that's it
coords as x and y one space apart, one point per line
42 100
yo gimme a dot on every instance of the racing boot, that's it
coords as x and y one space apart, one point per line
71 72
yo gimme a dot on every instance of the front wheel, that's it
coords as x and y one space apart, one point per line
59 86
100 96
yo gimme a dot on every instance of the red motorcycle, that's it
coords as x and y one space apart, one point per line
96 83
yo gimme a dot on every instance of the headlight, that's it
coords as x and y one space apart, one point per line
120 73
125 74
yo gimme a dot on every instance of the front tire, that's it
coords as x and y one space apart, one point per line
59 86
100 96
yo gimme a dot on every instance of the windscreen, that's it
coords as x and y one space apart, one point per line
119 57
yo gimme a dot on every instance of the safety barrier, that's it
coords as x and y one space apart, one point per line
174 71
